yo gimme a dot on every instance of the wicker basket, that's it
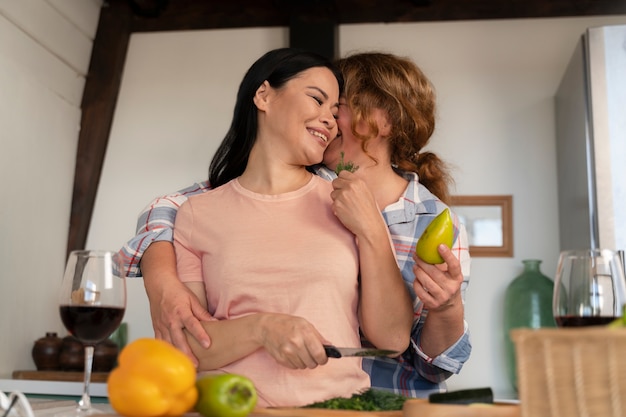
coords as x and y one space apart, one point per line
571 372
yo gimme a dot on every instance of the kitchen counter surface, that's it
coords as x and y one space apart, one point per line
412 408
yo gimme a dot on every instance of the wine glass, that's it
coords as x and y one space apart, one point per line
589 289
92 302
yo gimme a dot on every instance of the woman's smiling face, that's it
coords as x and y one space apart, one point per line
300 117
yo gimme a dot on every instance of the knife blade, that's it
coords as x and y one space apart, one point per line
339 352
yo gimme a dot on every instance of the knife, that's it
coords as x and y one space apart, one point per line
339 352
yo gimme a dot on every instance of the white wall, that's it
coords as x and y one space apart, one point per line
45 47
495 82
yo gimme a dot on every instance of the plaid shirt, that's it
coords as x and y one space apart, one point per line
156 223
412 374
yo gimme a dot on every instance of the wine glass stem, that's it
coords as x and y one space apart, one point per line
85 402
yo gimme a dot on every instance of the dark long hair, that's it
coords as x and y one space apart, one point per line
276 67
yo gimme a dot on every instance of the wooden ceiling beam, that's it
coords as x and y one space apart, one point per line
98 106
197 15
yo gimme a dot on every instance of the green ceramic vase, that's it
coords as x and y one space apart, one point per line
527 303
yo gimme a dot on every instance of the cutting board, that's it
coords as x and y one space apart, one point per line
412 408
320 412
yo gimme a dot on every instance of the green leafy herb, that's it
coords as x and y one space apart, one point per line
345 166
368 400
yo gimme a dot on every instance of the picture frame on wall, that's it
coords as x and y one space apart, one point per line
488 220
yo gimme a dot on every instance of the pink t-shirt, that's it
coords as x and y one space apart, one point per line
284 253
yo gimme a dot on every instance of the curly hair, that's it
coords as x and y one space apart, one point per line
397 86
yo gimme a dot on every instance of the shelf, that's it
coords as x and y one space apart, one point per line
59 376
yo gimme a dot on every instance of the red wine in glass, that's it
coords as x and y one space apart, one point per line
581 321
589 288
91 324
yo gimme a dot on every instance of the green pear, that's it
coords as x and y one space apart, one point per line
440 230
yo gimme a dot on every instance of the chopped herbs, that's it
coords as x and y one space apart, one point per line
368 400
345 166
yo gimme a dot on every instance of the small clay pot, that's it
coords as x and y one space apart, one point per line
105 356
72 357
46 351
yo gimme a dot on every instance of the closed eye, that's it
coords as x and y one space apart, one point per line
319 100
323 99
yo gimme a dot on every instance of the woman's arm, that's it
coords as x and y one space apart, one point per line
172 306
292 341
439 288
438 354
386 311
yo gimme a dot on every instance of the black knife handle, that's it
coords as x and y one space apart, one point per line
464 396
332 351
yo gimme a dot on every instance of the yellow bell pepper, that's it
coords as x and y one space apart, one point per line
152 379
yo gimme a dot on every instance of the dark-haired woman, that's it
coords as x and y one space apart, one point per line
268 257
